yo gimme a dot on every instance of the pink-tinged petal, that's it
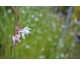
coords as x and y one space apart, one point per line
18 40
18 36
19 29
22 31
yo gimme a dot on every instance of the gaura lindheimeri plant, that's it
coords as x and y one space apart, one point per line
17 32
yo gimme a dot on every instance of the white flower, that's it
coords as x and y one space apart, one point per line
73 45
29 20
56 36
62 55
35 42
71 33
49 39
27 46
63 26
36 19
53 24
24 31
57 57
23 11
9 11
40 57
42 49
40 14
4 14
16 38
32 16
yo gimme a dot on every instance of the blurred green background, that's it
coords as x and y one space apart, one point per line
47 24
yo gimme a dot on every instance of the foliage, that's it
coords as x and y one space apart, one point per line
76 13
46 29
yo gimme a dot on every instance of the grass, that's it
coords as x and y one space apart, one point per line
46 29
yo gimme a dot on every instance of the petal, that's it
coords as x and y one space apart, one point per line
19 29
19 40
22 31
27 32
26 28
23 36
19 36
13 40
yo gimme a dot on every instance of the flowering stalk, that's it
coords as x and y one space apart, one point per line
17 32
12 45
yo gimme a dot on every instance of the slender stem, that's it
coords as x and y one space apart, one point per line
11 48
11 51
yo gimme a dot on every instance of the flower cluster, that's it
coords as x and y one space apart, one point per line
17 31
17 35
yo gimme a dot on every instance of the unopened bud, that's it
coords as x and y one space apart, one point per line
19 11
18 23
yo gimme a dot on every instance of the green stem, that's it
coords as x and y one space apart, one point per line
11 49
